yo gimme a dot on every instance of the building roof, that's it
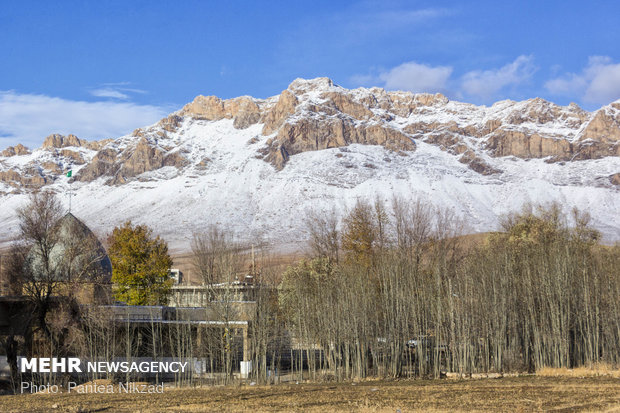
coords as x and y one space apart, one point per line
77 255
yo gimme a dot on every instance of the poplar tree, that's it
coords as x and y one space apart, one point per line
360 235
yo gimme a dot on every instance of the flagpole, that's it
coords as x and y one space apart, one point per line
69 174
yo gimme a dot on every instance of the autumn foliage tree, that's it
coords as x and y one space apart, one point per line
364 232
140 265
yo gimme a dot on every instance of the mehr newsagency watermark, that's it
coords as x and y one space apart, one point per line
75 365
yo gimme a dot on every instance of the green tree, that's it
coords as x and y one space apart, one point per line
140 265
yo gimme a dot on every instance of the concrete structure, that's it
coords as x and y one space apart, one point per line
201 295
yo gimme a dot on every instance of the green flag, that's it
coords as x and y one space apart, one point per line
69 173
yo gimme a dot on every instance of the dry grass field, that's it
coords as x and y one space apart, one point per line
516 394
270 264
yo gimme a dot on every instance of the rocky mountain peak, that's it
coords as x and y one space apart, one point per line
316 114
59 141
16 150
300 85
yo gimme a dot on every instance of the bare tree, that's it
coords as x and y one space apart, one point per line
219 259
324 235
212 252
540 293
55 263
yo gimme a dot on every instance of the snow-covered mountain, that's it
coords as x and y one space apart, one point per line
258 165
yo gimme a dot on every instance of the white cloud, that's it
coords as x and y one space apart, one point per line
480 84
107 92
570 84
416 77
403 17
363 80
118 90
599 82
379 18
29 118
486 84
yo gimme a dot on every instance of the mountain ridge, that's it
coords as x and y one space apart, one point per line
369 136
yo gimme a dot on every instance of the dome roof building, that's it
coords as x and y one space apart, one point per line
76 255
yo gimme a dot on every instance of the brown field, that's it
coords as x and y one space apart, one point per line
273 263
276 262
515 394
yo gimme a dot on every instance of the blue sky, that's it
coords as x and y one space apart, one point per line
101 69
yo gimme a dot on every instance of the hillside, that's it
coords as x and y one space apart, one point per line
257 165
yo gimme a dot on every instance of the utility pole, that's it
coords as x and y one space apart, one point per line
253 262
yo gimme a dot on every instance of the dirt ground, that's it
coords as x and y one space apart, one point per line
518 394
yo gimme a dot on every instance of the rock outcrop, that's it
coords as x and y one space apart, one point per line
604 126
244 110
16 150
102 164
477 164
504 142
129 163
247 114
29 178
311 135
52 167
274 118
73 156
60 141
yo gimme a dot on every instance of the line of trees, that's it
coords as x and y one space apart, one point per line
409 298
395 291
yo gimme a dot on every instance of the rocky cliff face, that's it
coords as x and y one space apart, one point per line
316 114
121 165
313 115
19 149
23 170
